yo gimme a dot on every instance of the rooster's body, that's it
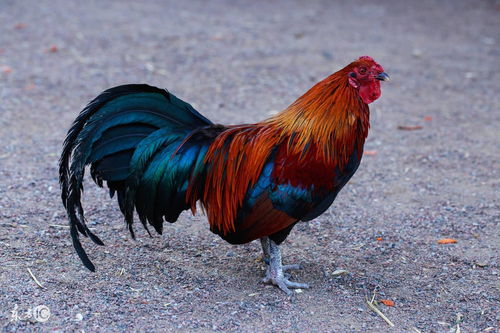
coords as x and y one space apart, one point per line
161 157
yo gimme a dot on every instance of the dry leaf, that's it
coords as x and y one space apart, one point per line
370 152
387 302
339 272
447 241
6 69
427 118
218 37
379 239
481 264
52 49
29 87
409 128
20 26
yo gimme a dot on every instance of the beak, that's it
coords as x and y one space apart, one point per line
383 77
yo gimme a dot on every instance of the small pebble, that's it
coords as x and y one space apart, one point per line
417 53
488 40
470 75
149 66
339 272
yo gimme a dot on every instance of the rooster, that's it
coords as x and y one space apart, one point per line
159 156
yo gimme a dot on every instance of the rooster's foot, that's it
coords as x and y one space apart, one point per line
275 272
278 279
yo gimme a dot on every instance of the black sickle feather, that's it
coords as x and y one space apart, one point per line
106 140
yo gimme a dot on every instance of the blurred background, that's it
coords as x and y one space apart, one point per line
430 170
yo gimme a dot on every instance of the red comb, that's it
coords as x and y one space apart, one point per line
367 58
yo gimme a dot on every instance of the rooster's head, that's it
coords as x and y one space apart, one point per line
365 75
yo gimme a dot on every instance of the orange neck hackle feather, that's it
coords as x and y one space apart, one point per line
330 116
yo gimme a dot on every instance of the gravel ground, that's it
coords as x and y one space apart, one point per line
238 62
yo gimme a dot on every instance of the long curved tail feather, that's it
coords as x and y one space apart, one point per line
134 138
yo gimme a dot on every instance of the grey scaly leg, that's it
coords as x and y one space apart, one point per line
275 270
264 241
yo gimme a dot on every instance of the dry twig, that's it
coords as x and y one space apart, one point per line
35 279
374 308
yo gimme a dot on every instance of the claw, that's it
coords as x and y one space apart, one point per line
288 267
284 284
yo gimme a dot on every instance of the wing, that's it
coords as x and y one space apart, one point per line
259 216
290 188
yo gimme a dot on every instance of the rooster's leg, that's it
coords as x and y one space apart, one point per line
275 269
264 241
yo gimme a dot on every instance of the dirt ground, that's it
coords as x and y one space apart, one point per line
239 62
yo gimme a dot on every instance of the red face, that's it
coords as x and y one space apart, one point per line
365 75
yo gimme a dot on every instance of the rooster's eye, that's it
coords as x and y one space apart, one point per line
362 70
